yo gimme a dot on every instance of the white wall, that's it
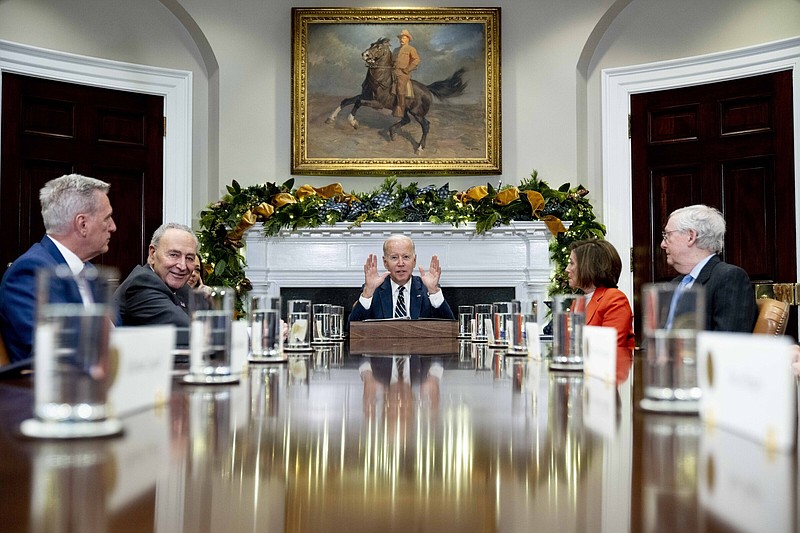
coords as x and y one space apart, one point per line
240 55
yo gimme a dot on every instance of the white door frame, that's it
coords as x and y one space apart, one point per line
174 85
618 84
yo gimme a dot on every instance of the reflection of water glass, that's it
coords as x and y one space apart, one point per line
669 442
337 322
321 361
672 317
297 367
211 311
465 354
70 487
322 322
74 317
482 356
298 315
569 316
483 323
266 384
466 313
266 331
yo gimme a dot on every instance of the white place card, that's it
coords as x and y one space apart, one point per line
533 340
240 346
743 484
143 374
748 386
600 352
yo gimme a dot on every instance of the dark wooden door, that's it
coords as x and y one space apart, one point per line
727 145
52 128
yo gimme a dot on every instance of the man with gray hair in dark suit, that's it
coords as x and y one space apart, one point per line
155 293
398 293
692 238
78 224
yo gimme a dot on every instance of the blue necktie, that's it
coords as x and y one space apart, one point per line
687 279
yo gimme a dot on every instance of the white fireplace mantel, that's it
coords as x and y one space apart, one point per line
333 256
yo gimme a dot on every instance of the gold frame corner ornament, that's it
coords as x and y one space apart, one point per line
307 131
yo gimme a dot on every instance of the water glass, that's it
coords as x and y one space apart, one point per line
298 318
569 318
501 316
322 323
211 312
266 330
672 317
466 314
517 344
483 323
337 322
74 366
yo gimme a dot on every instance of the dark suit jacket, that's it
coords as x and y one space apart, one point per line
145 299
418 368
18 297
730 299
418 300
611 308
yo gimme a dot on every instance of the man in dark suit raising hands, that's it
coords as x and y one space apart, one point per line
398 293
692 238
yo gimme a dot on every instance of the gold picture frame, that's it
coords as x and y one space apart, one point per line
339 56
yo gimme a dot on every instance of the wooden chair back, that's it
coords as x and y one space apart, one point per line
773 316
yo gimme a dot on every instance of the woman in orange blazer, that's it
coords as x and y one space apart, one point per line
594 268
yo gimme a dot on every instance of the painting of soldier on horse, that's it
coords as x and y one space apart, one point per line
395 96
399 108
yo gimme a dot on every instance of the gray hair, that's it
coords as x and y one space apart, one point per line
706 221
157 234
397 237
65 197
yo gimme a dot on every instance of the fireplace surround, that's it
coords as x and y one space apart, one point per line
513 257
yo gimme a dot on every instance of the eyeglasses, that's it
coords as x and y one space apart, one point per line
665 234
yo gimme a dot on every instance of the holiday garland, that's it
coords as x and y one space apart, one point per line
279 207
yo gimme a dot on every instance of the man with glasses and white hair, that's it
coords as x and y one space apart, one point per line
692 238
398 293
155 293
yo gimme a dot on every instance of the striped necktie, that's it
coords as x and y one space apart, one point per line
401 369
400 308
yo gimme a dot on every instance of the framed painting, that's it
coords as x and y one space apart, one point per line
407 92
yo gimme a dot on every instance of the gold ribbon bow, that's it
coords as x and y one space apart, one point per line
475 193
328 191
247 221
283 198
264 210
554 224
507 196
536 200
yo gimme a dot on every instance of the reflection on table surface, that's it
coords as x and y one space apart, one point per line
474 441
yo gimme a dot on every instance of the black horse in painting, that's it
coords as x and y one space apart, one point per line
376 92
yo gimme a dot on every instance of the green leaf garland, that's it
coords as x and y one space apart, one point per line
281 206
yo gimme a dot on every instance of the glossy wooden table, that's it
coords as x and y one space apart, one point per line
496 444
